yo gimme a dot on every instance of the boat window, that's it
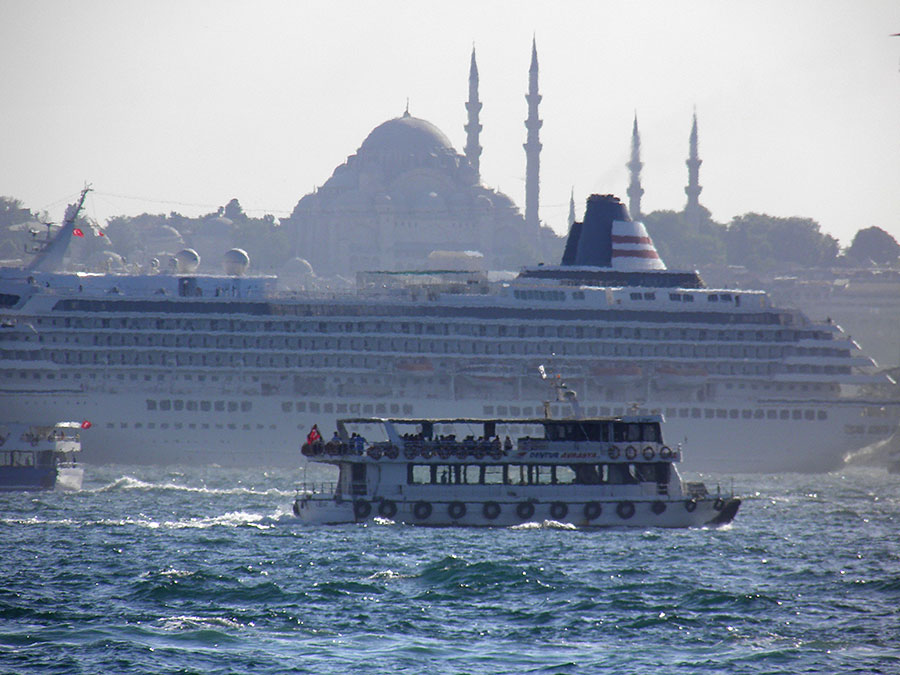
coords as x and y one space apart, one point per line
651 432
587 474
634 432
618 432
5 458
151 404
621 474
565 475
493 474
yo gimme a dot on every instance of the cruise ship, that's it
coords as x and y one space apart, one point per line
185 368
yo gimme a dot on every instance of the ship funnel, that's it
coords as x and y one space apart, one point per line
608 238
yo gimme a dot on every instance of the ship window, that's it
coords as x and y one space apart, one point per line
313 407
287 406
675 297
651 433
636 296
151 404
367 409
395 409
772 414
687 298
407 409
649 296
219 406
746 414
797 414
328 407
634 432
301 406
232 406
785 414
733 413
178 404
712 297
721 413
822 415
809 414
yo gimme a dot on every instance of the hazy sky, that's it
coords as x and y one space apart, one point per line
180 106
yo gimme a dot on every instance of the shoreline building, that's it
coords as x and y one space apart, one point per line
407 193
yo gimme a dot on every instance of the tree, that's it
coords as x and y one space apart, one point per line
873 244
762 242
683 244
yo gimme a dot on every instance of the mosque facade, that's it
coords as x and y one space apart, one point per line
407 195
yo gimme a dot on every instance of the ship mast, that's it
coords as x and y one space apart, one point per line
50 257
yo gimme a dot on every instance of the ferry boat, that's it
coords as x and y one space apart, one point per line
600 472
41 457
191 369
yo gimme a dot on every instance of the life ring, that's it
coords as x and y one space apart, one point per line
374 452
630 452
306 450
361 509
614 452
456 510
387 509
525 510
658 507
490 510
391 452
592 510
297 507
559 510
462 451
625 510
665 452
649 453
427 452
422 510
479 452
690 505
409 452
444 451
719 504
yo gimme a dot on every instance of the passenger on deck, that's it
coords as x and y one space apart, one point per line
507 444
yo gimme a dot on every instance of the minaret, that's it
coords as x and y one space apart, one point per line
473 128
635 191
572 208
532 145
692 210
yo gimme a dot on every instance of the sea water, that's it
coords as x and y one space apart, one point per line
179 570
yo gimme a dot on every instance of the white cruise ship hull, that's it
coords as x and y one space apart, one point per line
813 438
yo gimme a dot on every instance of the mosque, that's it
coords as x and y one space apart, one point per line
407 198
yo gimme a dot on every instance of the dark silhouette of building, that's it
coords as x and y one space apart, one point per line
693 212
635 191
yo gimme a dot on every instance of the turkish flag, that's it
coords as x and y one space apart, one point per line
86 425
77 232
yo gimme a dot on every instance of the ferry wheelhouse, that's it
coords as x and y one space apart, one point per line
598 472
41 457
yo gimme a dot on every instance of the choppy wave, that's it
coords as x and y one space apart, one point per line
146 573
131 483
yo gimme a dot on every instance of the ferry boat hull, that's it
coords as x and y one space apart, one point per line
705 512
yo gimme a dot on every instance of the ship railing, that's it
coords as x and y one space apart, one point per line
315 488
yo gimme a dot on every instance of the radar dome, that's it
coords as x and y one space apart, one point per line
187 261
236 262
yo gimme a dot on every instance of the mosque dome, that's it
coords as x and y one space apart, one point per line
406 135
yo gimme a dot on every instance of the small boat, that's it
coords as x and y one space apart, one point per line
596 472
41 457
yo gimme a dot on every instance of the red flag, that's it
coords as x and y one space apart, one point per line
77 232
86 425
